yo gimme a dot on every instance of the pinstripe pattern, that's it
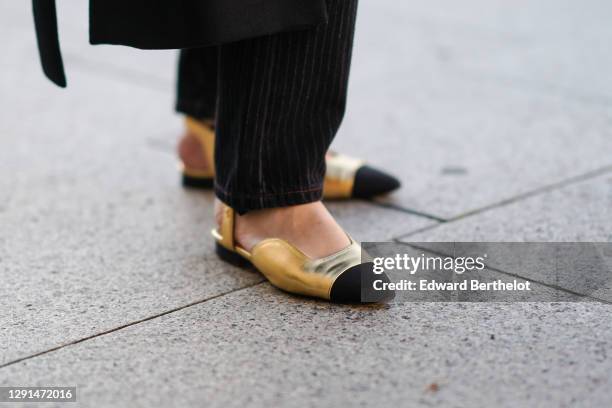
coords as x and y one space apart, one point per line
281 100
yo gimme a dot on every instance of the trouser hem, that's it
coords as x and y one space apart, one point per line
242 203
195 109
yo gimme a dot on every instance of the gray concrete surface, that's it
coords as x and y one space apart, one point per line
258 347
464 135
576 212
495 115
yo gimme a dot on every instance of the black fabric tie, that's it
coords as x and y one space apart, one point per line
45 21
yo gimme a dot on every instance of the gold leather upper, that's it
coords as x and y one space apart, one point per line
225 236
340 175
286 267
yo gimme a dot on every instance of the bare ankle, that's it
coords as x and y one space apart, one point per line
309 227
191 153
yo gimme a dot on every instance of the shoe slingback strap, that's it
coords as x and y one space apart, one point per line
225 234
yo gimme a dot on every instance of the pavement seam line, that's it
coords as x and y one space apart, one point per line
516 275
127 325
528 194
395 207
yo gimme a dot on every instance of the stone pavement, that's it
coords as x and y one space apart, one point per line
497 115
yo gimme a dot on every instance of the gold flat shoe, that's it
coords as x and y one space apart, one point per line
340 277
345 177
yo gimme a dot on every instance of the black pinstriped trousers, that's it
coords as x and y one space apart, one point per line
278 102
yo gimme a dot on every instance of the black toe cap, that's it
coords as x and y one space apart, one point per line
370 182
356 285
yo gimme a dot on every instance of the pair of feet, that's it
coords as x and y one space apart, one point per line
309 227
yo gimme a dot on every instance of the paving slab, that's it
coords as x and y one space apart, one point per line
579 212
559 45
554 46
80 256
459 146
96 232
459 142
259 347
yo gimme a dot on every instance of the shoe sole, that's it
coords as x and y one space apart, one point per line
231 257
197 182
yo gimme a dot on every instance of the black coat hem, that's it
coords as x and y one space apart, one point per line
175 24
96 39
198 23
